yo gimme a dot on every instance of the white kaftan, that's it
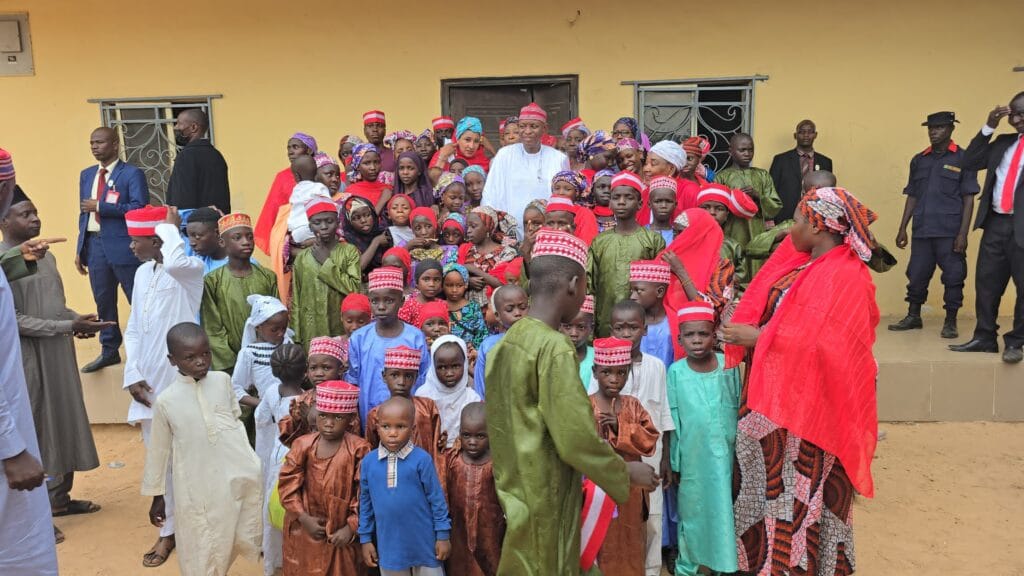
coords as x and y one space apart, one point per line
252 369
27 546
518 178
271 410
218 489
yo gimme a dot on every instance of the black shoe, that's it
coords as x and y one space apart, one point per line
102 362
975 345
949 329
910 322
1013 354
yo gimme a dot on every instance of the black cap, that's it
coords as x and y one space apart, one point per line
940 119
19 195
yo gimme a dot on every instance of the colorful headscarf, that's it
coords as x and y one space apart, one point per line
306 139
630 123
574 179
349 139
397 135
697 145
504 124
454 220
469 123
457 268
488 216
323 159
475 169
428 134
595 144
360 152
445 182
628 144
604 174
836 210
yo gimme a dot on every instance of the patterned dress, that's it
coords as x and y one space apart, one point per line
468 323
793 502
486 263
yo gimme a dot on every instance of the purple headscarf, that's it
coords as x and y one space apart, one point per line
306 139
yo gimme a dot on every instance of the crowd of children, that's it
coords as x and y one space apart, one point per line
403 329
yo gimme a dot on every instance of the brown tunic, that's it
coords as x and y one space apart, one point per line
325 488
296 424
624 550
478 523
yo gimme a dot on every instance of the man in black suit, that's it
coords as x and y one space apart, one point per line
1001 215
789 168
200 174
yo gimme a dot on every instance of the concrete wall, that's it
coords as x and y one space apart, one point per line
866 72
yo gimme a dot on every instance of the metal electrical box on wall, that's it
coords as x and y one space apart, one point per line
15 46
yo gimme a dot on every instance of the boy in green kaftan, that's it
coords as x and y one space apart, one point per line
543 437
703 397
322 276
225 309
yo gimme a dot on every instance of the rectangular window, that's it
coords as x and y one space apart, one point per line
145 129
494 99
715 108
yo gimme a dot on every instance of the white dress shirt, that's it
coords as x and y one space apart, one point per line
93 223
1002 170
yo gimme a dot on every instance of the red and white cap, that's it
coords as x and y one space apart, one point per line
385 278
442 122
696 311
737 201
318 205
588 305
664 182
143 221
613 352
559 204
533 112
558 243
403 358
656 271
373 116
337 397
573 124
627 178
328 346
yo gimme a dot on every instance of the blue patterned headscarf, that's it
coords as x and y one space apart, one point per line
468 123
474 169
457 268
360 152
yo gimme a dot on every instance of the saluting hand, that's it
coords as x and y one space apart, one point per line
996 115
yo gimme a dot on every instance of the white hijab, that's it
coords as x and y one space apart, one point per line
450 401
261 309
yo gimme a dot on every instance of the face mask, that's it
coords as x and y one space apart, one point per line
179 138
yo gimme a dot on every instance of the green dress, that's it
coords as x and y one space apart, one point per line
768 201
318 289
608 269
704 408
732 251
543 440
224 309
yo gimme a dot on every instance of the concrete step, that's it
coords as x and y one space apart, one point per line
921 380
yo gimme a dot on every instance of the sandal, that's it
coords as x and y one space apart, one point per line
152 559
58 536
75 507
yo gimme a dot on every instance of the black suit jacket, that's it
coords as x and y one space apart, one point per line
199 178
788 179
985 154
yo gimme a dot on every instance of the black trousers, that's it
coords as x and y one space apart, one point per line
925 254
1000 258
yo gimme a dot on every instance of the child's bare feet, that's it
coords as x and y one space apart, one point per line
159 553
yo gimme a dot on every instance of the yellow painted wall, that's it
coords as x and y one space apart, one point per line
867 72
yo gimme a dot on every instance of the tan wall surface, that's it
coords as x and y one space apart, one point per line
866 72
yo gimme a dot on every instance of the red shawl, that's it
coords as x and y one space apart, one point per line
686 198
372 191
699 248
279 195
813 371
586 224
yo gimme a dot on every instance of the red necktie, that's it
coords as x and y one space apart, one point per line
101 187
1010 183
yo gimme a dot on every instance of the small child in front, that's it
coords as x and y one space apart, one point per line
703 396
319 488
401 370
466 316
648 283
215 470
326 361
434 321
401 502
478 524
447 384
627 427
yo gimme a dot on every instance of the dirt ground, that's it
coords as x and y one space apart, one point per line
949 497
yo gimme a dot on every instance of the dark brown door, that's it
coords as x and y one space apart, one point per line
494 99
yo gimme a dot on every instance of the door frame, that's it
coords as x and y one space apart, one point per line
572 79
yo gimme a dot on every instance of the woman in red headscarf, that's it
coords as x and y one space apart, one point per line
806 326
698 269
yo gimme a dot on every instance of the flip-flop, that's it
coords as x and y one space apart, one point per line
58 536
75 507
152 559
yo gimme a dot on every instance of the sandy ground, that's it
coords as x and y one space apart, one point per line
949 496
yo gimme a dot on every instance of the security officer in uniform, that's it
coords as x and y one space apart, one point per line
940 200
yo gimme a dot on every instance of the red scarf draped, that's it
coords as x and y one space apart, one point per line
813 371
371 191
699 248
279 194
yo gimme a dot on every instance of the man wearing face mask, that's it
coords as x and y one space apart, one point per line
200 175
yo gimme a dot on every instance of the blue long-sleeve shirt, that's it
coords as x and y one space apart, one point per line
481 361
658 342
407 519
366 363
